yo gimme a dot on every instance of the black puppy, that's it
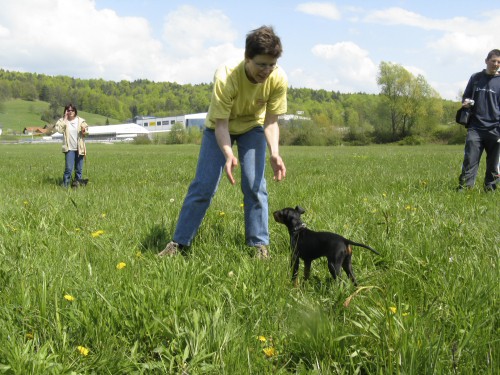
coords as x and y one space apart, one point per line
309 245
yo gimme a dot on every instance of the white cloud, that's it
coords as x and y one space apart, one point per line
4 32
205 29
348 64
326 10
74 38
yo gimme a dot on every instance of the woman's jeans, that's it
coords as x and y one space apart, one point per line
73 160
211 161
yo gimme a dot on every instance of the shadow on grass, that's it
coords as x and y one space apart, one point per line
155 240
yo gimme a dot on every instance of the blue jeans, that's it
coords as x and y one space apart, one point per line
476 142
73 161
252 159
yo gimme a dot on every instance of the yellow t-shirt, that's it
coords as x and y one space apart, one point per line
245 103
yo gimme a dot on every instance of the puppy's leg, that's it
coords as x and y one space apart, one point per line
307 269
347 266
334 266
295 267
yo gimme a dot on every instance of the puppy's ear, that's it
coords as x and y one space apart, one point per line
300 210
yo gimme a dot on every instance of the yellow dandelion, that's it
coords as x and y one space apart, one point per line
121 265
242 205
270 352
97 233
384 195
83 350
261 338
103 215
222 213
393 309
29 336
69 297
77 229
405 314
138 254
26 203
408 208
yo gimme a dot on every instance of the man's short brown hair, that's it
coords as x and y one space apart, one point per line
263 41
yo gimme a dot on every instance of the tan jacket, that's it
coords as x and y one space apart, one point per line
62 127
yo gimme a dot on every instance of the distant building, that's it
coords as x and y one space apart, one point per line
120 132
35 130
164 124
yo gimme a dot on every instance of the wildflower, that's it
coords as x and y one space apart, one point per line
26 203
138 254
69 297
408 208
121 265
172 200
77 229
230 274
405 314
384 195
270 352
261 338
393 309
242 205
103 215
29 336
97 233
221 213
83 350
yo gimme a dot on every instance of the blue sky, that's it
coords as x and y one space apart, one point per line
335 45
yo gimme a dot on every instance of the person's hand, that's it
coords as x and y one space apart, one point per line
279 168
231 164
84 131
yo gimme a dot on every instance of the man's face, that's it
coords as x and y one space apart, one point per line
492 64
260 67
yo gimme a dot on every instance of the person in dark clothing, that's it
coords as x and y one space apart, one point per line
483 95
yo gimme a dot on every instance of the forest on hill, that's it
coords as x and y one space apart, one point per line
406 108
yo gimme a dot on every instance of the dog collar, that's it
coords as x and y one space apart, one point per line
299 227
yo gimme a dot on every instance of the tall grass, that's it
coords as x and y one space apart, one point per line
82 291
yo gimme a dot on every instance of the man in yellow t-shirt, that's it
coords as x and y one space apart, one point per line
246 101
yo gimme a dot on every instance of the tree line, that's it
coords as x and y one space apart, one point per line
407 107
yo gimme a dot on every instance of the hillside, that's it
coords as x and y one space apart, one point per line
18 114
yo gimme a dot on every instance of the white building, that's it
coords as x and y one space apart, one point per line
163 124
118 132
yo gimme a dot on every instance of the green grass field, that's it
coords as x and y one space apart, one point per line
18 114
82 291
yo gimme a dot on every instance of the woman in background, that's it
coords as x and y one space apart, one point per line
74 129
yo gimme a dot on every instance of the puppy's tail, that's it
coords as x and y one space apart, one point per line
362 245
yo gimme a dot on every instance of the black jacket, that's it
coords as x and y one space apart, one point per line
486 110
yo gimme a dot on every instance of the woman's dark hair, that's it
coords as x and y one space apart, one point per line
263 41
70 106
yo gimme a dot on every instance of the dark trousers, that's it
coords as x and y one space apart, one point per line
476 142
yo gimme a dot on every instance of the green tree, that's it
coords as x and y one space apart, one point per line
408 99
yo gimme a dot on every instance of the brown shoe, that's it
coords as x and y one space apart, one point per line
261 252
171 249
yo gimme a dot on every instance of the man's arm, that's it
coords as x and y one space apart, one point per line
272 132
224 142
